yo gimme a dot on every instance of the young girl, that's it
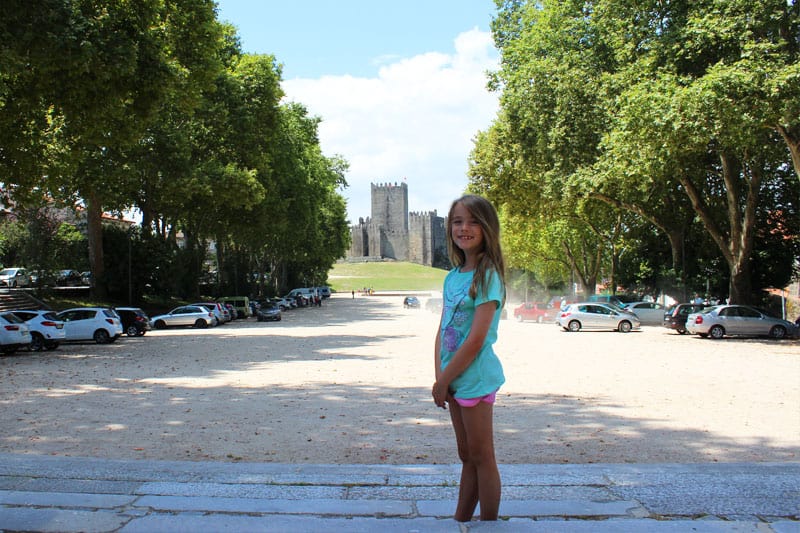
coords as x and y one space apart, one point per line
468 373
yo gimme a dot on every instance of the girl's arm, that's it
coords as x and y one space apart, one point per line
466 353
437 361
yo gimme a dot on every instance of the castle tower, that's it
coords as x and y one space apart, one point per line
390 206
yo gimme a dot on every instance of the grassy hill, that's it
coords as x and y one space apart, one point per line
385 276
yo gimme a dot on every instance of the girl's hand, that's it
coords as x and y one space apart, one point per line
439 393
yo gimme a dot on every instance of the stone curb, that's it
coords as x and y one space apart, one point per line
85 494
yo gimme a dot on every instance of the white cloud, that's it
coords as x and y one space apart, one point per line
414 121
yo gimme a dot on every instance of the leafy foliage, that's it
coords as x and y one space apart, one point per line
676 116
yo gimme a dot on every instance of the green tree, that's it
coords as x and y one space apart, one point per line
88 89
655 108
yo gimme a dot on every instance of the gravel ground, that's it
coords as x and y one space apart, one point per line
350 383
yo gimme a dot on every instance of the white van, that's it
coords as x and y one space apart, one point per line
305 291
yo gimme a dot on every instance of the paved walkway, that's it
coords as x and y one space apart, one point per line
41 493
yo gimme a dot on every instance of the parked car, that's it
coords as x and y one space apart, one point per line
324 292
69 278
282 303
649 313
231 310
608 299
100 324
185 315
86 277
675 316
240 303
596 315
14 333
135 322
47 331
537 312
268 311
218 309
434 305
411 302
721 320
14 277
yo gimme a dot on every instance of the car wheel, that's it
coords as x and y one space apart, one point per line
777 332
37 342
624 327
574 326
519 318
132 331
716 332
159 324
681 331
540 319
101 336
200 323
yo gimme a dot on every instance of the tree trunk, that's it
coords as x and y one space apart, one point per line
94 234
737 245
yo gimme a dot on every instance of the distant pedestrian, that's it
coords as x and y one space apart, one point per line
353 292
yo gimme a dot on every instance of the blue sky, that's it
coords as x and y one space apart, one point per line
399 85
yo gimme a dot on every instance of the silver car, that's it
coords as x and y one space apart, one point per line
649 313
595 315
717 322
14 277
185 315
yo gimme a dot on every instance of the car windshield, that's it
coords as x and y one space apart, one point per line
8 271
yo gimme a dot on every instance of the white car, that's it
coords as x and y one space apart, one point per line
649 313
14 277
595 315
47 331
185 315
100 324
14 333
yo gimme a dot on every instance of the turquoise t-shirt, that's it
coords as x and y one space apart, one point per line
485 374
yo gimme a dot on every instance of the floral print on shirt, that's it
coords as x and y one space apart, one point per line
454 306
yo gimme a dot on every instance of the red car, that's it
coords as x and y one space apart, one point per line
537 312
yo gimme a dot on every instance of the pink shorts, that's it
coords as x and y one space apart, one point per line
472 402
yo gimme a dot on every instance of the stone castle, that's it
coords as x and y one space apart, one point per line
394 233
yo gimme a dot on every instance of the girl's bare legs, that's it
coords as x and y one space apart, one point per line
480 479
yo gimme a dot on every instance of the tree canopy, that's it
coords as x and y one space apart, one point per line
628 117
152 106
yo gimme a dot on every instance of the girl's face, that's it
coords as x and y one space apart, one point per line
465 230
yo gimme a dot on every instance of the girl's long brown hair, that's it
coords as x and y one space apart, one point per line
491 257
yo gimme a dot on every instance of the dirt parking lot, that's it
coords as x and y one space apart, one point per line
350 383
